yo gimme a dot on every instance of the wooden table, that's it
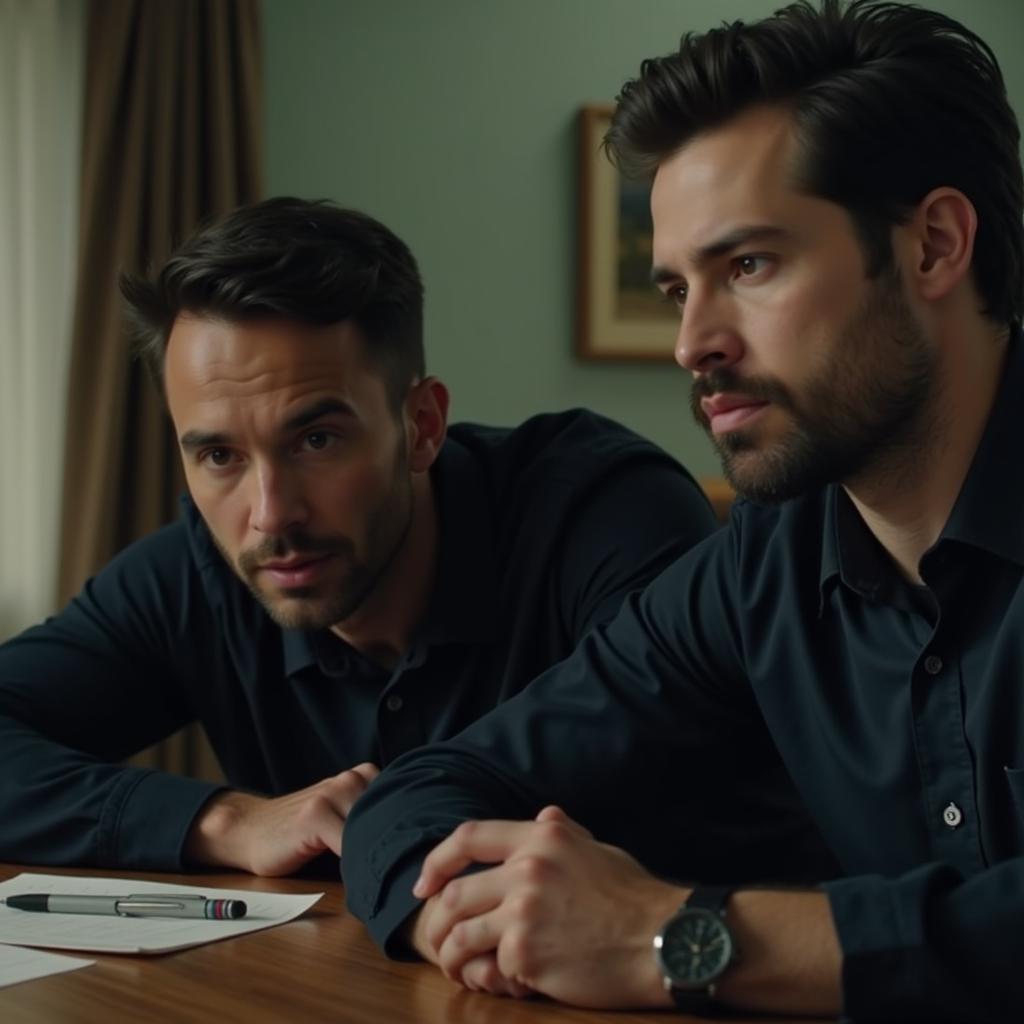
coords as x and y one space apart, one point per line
321 967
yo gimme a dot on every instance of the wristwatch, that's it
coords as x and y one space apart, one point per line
695 948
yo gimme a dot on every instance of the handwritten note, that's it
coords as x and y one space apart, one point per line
103 934
18 964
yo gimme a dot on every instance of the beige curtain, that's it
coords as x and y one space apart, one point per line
172 135
42 44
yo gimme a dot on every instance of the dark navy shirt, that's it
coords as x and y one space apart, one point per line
898 711
543 530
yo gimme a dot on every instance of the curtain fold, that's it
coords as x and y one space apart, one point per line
172 136
41 42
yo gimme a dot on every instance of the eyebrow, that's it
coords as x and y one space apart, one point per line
705 254
193 439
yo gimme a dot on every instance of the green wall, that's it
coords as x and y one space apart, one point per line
453 121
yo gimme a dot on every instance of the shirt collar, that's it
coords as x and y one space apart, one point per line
849 551
462 607
829 544
297 650
988 511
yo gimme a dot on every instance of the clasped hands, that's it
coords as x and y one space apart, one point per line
553 911
558 914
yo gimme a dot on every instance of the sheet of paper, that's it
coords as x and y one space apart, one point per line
17 964
102 934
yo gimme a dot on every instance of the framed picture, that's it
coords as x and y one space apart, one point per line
620 315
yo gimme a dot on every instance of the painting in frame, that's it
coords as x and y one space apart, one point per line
620 315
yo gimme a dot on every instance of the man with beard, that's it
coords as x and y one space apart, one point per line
837 205
348 581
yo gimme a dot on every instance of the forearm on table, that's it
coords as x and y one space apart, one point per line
212 838
125 816
790 958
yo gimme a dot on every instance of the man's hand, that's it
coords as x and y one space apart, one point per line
574 919
559 914
278 836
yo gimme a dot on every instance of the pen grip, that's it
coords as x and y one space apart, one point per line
61 904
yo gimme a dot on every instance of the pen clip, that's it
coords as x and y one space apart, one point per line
173 897
130 906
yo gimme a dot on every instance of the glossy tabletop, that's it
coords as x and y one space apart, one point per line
320 967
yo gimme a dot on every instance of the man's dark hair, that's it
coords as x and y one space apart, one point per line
301 260
889 101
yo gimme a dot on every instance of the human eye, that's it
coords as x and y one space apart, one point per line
318 440
752 265
216 458
676 294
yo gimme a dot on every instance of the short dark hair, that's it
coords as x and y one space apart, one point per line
303 260
889 101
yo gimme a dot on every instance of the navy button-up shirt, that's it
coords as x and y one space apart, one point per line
898 711
543 530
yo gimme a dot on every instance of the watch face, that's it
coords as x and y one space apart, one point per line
695 948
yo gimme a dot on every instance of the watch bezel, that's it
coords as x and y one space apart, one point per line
688 984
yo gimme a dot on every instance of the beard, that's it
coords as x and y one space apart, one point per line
864 411
363 567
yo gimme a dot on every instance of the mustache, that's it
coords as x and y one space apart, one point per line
291 544
725 380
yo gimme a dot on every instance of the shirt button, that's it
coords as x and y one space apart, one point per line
933 665
952 816
394 703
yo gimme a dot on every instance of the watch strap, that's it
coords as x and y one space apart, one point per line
699 1002
710 897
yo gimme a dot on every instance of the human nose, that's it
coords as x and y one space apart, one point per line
276 504
707 339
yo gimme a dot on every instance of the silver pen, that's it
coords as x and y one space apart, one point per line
148 905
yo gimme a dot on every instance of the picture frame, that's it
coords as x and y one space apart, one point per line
620 315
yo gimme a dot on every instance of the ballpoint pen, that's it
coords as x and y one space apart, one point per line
148 905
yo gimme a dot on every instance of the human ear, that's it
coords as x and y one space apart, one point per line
941 237
426 421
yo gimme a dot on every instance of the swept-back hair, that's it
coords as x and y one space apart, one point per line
302 260
888 100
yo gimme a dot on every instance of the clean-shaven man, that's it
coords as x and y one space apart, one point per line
349 580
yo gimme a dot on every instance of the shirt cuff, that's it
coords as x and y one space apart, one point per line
881 927
147 819
388 920
381 896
